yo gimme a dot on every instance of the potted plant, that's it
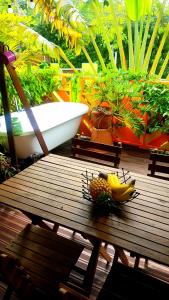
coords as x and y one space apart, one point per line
101 116
155 104
112 93
6 168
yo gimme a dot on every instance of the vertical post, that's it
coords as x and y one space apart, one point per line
6 108
21 94
6 58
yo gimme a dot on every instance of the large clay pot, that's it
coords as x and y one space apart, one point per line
103 136
85 125
101 118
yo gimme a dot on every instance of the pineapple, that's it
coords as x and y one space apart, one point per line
103 198
98 186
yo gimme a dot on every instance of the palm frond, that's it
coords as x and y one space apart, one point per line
104 31
130 45
64 17
137 8
160 48
163 67
22 35
41 43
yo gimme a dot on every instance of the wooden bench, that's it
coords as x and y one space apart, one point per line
45 257
84 147
159 166
127 283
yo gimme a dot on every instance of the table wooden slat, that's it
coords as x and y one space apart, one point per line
52 190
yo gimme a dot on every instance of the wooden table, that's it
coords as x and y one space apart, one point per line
51 189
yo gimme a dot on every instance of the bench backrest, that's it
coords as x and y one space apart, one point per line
88 149
159 165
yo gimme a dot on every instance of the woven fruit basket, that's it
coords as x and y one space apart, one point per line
109 191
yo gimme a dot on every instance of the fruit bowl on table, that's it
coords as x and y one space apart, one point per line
108 191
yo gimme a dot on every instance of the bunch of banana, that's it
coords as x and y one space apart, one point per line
120 191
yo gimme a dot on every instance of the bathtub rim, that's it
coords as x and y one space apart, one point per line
25 133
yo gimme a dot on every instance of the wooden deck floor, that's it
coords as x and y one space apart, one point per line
133 158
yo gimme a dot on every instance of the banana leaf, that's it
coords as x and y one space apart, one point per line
64 17
137 8
160 48
22 35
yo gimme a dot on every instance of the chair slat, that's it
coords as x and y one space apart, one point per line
157 168
161 157
159 165
90 144
124 282
89 149
98 155
46 257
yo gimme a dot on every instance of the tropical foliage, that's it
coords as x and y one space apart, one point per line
6 168
107 15
155 103
134 33
27 43
37 83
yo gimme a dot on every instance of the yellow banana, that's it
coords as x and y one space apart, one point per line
121 188
120 191
116 185
113 180
128 194
123 196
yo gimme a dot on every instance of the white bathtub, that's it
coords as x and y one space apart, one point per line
58 122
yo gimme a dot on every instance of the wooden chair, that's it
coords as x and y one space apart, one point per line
67 293
159 166
84 147
36 261
14 275
127 283
18 280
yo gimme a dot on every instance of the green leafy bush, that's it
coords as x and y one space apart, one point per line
155 102
113 88
36 82
6 169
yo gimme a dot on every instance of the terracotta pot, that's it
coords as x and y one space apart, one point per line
103 136
101 118
85 125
